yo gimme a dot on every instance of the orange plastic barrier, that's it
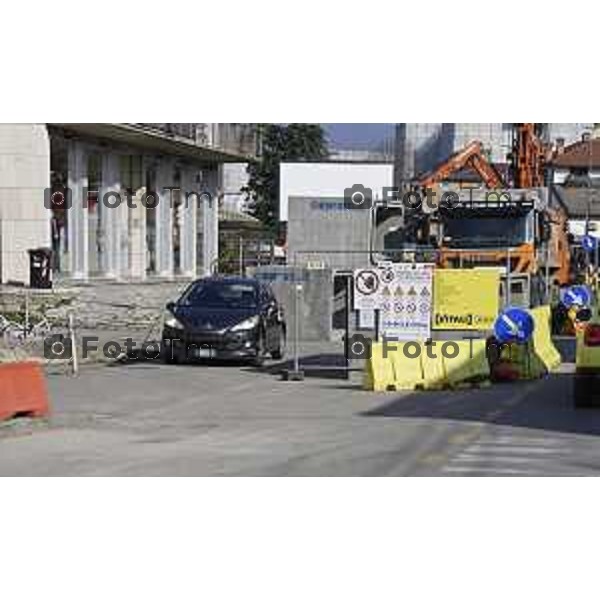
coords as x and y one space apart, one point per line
23 390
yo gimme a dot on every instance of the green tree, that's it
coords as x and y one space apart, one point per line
292 142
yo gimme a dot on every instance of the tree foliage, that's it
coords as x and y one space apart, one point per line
279 143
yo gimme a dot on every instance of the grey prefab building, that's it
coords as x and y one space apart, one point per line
322 232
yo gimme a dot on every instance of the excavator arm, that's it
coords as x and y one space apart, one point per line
470 156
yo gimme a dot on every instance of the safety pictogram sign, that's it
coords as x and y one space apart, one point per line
402 293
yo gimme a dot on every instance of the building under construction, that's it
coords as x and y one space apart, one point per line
421 146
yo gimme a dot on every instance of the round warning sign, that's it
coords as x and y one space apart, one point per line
367 282
387 276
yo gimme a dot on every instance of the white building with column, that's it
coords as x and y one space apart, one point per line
141 200
24 175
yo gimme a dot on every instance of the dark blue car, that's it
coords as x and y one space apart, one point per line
228 318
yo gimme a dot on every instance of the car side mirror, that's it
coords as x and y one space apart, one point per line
171 306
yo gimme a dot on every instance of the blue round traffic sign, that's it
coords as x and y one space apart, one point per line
577 295
513 325
589 243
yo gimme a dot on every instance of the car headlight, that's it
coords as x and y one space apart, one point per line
171 321
246 325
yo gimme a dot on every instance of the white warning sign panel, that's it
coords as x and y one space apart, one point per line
402 293
367 288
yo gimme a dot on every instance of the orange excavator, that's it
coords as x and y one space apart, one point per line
471 156
523 235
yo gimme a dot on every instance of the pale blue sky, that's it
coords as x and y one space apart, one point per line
358 135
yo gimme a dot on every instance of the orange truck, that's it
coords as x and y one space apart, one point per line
518 231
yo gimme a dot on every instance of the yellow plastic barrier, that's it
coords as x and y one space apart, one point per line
470 363
543 347
379 371
409 366
406 360
434 374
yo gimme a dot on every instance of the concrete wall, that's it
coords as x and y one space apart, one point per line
24 174
315 308
322 232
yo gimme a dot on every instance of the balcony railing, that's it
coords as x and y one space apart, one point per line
233 138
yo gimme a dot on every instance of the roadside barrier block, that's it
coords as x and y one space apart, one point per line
470 364
434 373
519 361
23 390
408 373
379 371
543 347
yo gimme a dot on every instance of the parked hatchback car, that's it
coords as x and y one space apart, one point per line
229 318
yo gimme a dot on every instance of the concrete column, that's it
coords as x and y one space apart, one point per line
213 184
111 231
188 236
78 213
122 225
164 218
137 236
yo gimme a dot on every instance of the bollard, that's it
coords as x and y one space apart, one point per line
74 359
296 374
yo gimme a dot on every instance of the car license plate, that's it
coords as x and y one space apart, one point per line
205 352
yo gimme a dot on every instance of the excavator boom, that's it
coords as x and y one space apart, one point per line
471 156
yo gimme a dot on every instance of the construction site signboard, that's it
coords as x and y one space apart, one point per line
465 298
403 295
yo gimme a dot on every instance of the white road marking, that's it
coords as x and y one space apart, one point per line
467 458
522 441
510 455
488 449
489 471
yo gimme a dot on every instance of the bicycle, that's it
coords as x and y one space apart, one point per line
10 330
14 333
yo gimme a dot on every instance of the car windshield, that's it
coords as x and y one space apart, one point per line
220 295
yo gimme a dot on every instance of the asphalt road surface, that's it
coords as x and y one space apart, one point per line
153 419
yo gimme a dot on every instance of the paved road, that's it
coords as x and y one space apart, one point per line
151 419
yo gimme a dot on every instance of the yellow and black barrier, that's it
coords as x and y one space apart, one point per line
412 366
543 346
